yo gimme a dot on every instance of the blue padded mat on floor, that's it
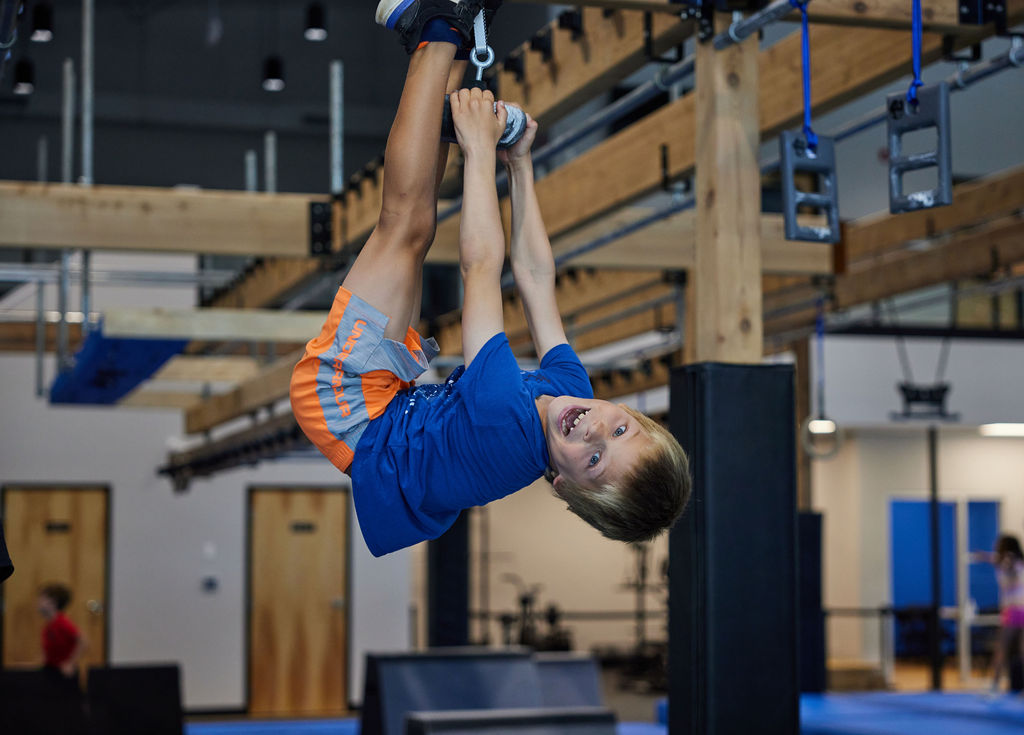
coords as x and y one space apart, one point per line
884 713
881 713
343 727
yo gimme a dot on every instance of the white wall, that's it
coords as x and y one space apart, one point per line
533 535
861 374
854 491
157 609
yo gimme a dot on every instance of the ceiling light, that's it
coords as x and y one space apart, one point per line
316 23
1002 430
24 77
821 426
42 23
273 74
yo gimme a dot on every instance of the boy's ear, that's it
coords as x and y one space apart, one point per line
556 482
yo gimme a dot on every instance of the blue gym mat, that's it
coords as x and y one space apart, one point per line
880 713
344 727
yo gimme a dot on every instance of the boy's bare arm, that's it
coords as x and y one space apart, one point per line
481 238
533 265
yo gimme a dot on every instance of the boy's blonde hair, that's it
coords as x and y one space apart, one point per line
647 500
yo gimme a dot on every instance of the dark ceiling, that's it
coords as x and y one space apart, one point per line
175 104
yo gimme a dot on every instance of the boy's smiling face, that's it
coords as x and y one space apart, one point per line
591 442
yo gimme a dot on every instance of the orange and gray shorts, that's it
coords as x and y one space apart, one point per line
349 375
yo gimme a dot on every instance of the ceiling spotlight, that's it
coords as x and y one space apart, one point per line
24 77
821 426
1004 430
316 23
42 23
273 74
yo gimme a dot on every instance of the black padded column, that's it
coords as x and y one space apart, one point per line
448 586
813 676
733 567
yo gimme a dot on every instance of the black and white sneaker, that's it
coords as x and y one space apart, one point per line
408 17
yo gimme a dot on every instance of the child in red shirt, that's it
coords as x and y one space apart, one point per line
62 643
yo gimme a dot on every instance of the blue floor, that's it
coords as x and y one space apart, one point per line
879 713
344 727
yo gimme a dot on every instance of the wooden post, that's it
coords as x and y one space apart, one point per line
737 423
724 292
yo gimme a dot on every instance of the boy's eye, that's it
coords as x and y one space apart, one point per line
620 431
595 458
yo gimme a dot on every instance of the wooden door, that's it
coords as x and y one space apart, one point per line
55 534
298 551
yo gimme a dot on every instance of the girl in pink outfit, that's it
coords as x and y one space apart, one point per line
1008 560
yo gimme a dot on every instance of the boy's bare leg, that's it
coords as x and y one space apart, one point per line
455 78
388 271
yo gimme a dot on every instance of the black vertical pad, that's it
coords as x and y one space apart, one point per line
448 586
733 567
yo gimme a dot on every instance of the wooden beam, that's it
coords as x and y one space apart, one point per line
208 369
152 219
724 291
21 337
143 397
991 197
265 325
998 244
669 244
260 391
936 14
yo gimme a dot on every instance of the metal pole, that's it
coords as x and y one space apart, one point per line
746 27
40 338
251 183
964 618
935 627
42 158
86 292
62 307
270 162
337 125
67 123
88 72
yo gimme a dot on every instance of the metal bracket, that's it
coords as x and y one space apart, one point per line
924 402
320 229
572 20
514 63
983 12
542 44
797 157
949 51
931 111
649 44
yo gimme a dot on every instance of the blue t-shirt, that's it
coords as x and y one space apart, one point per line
438 449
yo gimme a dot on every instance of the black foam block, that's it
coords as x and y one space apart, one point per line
127 700
445 679
733 567
550 721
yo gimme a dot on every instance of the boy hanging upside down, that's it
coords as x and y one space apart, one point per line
418 455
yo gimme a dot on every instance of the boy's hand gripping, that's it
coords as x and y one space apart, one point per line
521 150
479 123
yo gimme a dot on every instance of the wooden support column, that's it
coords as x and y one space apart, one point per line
724 291
732 555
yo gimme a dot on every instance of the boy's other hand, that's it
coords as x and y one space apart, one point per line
477 126
521 150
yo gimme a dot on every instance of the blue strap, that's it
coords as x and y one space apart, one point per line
809 134
916 36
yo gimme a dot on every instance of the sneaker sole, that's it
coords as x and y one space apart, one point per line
388 15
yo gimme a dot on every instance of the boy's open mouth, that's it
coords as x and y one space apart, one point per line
570 417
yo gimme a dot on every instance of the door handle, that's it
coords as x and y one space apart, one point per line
338 603
94 606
